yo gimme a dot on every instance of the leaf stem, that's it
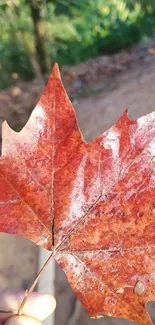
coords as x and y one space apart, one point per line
28 292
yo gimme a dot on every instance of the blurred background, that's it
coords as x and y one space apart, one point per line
106 53
35 33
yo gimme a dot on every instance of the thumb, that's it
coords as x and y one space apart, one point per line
38 306
22 320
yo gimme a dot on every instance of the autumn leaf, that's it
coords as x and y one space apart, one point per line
92 204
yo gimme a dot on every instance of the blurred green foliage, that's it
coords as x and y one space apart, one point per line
73 31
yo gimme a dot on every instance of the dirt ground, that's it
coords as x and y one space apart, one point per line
119 86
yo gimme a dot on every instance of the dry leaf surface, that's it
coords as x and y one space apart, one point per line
92 204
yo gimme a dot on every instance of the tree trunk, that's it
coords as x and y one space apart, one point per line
23 36
32 56
39 37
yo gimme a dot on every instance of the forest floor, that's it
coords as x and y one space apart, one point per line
100 89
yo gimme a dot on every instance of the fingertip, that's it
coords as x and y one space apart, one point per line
40 306
22 320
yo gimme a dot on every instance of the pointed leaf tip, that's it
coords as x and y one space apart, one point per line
55 72
126 116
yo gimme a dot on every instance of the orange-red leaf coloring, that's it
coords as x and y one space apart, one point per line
92 204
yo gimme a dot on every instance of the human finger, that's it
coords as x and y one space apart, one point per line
38 305
22 320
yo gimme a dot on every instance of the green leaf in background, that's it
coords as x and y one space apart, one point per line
67 31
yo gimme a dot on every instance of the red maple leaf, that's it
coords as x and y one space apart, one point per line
92 204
